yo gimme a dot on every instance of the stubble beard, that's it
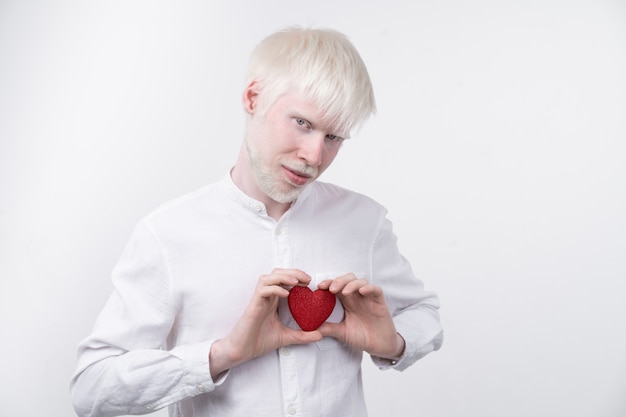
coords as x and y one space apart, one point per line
275 189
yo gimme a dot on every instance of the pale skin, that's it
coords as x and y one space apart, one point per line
367 325
294 145
293 133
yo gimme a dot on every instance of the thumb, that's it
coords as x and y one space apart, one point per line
299 337
335 330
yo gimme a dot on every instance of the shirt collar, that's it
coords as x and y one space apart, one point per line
231 189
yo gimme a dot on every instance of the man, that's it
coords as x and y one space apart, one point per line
199 319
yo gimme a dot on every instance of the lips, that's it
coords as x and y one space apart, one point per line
296 177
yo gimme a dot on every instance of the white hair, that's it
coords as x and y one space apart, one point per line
323 65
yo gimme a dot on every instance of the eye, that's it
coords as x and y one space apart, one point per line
334 138
303 123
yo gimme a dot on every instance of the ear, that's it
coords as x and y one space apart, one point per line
251 97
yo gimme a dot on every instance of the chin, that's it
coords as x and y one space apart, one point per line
285 196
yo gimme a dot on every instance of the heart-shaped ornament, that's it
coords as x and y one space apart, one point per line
310 308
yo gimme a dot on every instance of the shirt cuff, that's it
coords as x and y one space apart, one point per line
196 369
384 363
420 339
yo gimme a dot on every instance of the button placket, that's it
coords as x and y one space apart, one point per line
287 354
290 383
282 251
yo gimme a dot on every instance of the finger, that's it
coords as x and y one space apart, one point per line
302 277
296 273
371 290
324 285
286 277
339 283
354 286
273 290
275 280
298 337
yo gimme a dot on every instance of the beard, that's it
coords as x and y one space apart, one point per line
276 189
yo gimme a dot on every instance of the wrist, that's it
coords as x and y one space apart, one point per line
400 346
220 359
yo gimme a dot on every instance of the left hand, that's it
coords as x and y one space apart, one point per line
367 325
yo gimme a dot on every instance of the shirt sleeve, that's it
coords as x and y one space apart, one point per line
123 367
414 310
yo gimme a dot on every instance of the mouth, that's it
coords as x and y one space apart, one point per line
297 178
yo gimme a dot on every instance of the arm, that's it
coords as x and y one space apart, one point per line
392 317
414 310
122 367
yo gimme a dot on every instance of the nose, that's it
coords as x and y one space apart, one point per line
311 149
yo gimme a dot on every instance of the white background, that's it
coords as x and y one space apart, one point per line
499 149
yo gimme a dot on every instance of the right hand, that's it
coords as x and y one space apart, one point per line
259 330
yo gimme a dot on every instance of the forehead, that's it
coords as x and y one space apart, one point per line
298 105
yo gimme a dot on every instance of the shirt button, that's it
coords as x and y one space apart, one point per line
200 388
286 351
278 232
258 208
291 410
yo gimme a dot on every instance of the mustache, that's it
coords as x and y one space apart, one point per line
302 168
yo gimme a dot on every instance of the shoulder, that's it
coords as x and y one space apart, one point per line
183 202
183 211
340 198
329 190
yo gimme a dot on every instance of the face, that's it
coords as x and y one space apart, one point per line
289 147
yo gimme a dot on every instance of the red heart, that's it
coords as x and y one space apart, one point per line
310 308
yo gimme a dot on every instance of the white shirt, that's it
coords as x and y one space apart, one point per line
188 272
